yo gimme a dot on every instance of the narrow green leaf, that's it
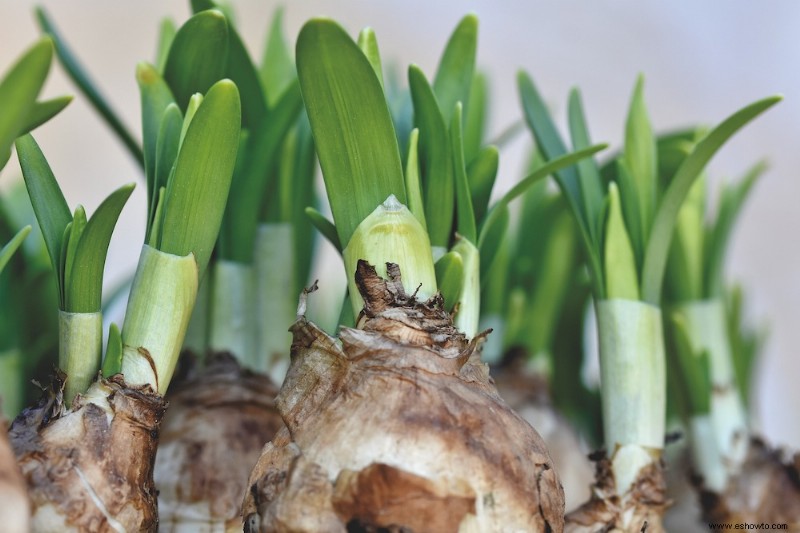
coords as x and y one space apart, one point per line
369 45
167 146
325 227
242 71
166 34
155 97
48 202
450 277
19 89
198 56
622 280
153 238
44 111
464 213
194 104
8 250
550 144
76 234
197 194
85 284
305 194
475 117
631 210
640 155
112 364
353 130
551 167
456 67
61 268
255 182
437 161
413 187
733 198
493 231
686 260
89 89
482 173
556 274
277 66
588 175
664 223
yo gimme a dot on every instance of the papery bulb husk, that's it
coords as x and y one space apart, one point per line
399 428
90 468
641 508
15 507
765 490
528 393
219 419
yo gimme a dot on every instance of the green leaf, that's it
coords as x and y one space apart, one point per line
167 147
19 89
733 198
277 66
369 45
437 161
243 73
475 117
493 231
588 174
60 269
450 277
254 182
686 260
48 202
353 130
545 170
76 233
622 280
640 156
464 213
166 34
198 56
550 144
197 194
89 89
155 96
325 227
84 283
8 250
481 174
44 111
664 223
631 205
456 67
413 187
112 364
304 195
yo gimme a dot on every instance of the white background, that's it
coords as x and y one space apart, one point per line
702 61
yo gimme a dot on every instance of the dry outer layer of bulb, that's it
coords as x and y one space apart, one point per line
219 418
15 507
766 490
527 392
90 468
640 509
398 428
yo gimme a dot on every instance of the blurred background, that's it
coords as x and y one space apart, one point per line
701 61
